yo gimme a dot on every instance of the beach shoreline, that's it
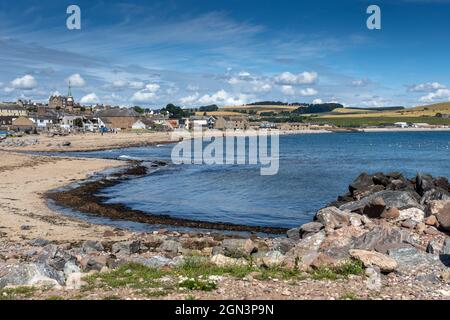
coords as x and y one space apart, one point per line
85 142
26 179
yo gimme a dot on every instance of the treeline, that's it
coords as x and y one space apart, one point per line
275 103
318 108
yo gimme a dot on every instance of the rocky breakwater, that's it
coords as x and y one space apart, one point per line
386 221
388 231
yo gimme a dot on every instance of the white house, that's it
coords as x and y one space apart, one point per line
42 122
142 124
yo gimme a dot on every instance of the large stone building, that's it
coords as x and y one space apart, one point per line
66 103
12 110
118 118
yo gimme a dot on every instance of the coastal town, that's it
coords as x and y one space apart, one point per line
62 115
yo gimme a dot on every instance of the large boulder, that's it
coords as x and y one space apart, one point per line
237 248
89 246
304 252
434 194
424 182
442 182
410 259
441 209
171 246
414 214
379 238
373 258
269 259
126 247
29 274
332 218
398 199
223 261
361 183
293 233
375 208
310 228
446 247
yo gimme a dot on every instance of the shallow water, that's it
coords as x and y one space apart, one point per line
314 170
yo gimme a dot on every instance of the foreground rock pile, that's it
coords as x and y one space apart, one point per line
395 227
386 221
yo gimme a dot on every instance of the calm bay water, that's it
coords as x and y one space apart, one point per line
314 170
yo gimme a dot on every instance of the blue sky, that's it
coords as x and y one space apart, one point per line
229 52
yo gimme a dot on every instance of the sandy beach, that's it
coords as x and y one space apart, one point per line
23 210
107 141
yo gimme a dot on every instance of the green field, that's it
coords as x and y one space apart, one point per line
377 121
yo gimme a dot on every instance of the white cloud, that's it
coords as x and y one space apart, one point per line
317 101
360 83
26 82
119 84
90 98
153 87
426 87
143 97
308 92
222 97
288 78
8 89
262 87
189 99
440 94
192 88
137 85
244 74
286 89
76 80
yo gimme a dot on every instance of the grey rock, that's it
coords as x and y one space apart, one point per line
31 274
293 233
434 194
434 247
282 244
94 263
310 228
69 268
332 217
446 247
89 246
411 259
171 246
378 236
237 248
424 183
393 199
126 247
38 242
154 262
430 277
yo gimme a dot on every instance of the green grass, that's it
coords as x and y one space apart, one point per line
197 266
351 267
377 121
134 276
348 296
198 284
17 292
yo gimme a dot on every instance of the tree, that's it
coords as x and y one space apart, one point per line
174 111
138 109
78 122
